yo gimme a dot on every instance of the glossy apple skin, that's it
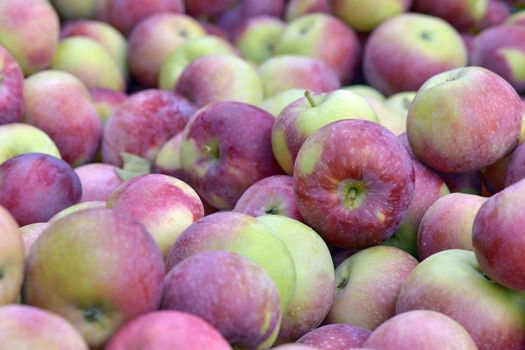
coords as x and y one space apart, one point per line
447 224
464 15
421 330
31 232
121 282
298 8
143 124
27 327
166 206
492 314
336 337
395 61
98 181
365 15
222 159
106 102
271 195
353 182
11 258
368 283
168 330
34 45
59 104
240 300
36 186
168 159
516 166
488 130
11 89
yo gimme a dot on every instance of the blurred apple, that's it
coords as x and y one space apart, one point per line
465 15
275 104
256 37
400 102
516 167
11 258
18 138
76 208
168 159
298 8
366 91
11 89
31 232
198 8
246 9
106 102
393 121
75 9
98 181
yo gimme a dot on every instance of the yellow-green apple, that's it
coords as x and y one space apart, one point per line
298 8
168 330
393 121
307 115
98 181
493 315
400 102
12 89
220 78
90 62
405 51
18 138
450 102
123 279
187 52
165 205
244 235
315 283
154 39
240 299
324 37
257 36
368 283
353 183
516 167
275 104
284 72
143 124
59 104
76 208
125 14
420 330
272 195
106 101
465 15
31 232
469 182
221 159
29 31
200 8
25 327
36 186
245 9
365 15
447 224
168 159
366 91
77 9
336 337
517 17
11 258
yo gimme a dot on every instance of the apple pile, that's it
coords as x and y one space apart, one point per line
262 174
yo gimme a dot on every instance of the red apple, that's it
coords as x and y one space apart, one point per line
465 15
12 89
11 258
98 181
336 337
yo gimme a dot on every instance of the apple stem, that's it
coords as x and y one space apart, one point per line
309 97
352 195
206 149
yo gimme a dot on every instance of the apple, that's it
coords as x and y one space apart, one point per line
222 160
12 93
18 138
493 315
516 166
122 281
256 37
31 232
305 116
168 330
75 9
469 182
400 102
36 186
240 299
295 347
281 73
230 20
76 208
465 15
421 330
336 337
98 181
154 39
517 18
487 132
11 258
447 224
497 13
29 31
493 176
168 159
106 101
298 8
198 8
213 29
27 327
365 15
393 121
275 104
407 50
353 183
366 91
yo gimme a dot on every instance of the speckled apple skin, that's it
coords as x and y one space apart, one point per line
336 337
11 89
11 258
464 15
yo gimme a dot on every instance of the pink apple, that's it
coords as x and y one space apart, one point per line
498 11
465 15
245 9
98 181
31 232
11 258
76 208
516 166
12 89
336 337
106 102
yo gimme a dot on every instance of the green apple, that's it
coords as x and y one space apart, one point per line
11 258
275 104
365 15
366 91
18 138
400 102
257 36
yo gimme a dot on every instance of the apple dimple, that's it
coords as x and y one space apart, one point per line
352 193
93 314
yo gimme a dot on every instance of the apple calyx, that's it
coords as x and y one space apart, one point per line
351 193
272 211
211 150
310 98
93 315
133 166
342 284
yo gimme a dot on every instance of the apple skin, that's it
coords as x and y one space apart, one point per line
400 102
324 37
240 299
70 10
246 9
31 232
168 330
395 61
220 78
469 182
295 347
315 283
516 166
493 315
125 14
393 121
203 8
143 124
464 15
152 41
244 235
11 258
167 161
488 130
275 104
12 89
305 116
284 72
59 104
27 327
353 183
19 138
298 8
497 13
34 45
98 181
421 330
256 37
365 15
271 195
493 176
368 283
220 158
447 224
106 101
76 208
121 282
336 337
166 206
36 186
366 91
